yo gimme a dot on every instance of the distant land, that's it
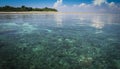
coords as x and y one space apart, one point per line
24 8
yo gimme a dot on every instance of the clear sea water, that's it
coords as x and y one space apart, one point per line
59 41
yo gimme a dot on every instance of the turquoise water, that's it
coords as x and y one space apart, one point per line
59 41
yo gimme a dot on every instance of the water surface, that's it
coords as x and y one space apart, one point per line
59 41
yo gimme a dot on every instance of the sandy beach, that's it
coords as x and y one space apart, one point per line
37 12
31 12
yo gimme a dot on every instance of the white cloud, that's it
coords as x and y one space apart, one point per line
99 2
58 3
96 6
84 5
112 4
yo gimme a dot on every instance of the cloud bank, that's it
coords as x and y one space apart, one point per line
95 6
58 3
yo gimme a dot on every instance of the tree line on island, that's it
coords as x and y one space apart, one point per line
24 8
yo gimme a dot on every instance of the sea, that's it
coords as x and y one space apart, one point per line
60 41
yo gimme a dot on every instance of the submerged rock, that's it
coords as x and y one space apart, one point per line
48 30
70 40
27 28
85 61
60 40
39 48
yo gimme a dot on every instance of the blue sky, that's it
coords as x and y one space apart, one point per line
42 3
32 3
63 5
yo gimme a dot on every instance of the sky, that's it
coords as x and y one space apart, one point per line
112 6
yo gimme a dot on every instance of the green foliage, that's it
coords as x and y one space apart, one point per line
24 8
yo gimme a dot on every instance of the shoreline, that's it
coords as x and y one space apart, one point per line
50 12
27 12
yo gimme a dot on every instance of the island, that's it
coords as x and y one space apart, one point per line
24 9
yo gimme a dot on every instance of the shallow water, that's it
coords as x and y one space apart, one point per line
59 41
